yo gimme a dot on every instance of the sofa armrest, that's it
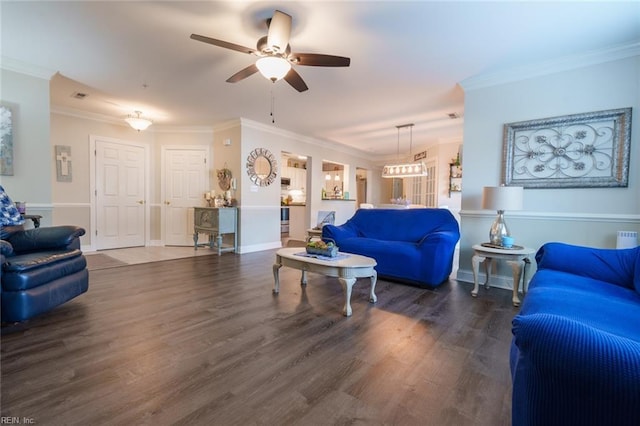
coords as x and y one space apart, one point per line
615 266
439 237
567 372
47 238
6 249
338 232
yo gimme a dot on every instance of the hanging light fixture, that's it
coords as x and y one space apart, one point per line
402 170
273 67
137 122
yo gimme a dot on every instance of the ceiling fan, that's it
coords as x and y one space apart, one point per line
275 58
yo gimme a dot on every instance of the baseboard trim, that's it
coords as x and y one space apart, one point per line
260 247
498 281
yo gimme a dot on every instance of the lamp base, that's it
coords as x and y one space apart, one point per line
498 229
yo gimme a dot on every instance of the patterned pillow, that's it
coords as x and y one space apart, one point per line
9 214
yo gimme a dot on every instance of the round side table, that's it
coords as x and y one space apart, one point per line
517 257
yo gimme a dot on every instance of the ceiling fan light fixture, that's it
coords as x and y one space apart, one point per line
137 122
273 68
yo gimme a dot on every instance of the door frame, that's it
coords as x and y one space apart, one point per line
92 184
163 176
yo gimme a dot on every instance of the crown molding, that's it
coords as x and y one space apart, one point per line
155 128
15 65
551 67
323 143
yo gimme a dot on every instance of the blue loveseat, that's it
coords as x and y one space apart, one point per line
41 268
575 353
412 245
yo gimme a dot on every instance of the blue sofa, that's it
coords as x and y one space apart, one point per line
41 269
412 245
575 353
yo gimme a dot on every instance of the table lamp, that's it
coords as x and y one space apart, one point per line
501 198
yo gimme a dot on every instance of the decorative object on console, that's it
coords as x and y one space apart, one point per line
573 151
137 122
501 198
262 167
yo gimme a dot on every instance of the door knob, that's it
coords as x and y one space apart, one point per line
167 202
140 201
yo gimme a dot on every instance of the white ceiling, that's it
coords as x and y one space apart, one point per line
407 59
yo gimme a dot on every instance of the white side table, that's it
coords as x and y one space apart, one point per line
518 258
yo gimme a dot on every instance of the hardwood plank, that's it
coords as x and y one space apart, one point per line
204 341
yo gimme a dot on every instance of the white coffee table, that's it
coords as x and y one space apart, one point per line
347 270
516 258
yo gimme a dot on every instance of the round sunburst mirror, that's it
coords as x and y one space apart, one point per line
262 167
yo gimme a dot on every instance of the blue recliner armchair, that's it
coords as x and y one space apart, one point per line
41 268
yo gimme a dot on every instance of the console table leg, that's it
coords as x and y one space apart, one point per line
347 285
276 278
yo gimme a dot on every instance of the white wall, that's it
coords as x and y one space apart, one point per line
586 216
28 98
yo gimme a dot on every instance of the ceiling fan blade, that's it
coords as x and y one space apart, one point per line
243 73
294 79
279 32
318 60
221 43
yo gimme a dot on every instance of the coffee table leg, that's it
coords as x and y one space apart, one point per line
347 285
303 278
276 278
372 295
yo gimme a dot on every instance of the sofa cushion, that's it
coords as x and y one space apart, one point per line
34 269
598 304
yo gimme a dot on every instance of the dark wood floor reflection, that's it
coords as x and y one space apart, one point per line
202 341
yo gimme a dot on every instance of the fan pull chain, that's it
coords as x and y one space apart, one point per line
273 102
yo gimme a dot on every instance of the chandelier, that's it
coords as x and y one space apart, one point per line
402 170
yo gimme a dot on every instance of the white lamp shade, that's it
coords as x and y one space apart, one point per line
502 198
273 67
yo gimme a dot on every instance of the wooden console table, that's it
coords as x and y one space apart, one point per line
216 221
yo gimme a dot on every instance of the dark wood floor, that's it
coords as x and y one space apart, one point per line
202 341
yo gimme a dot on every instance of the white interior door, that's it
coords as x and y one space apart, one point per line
185 182
120 195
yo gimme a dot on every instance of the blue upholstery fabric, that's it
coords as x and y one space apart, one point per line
41 269
575 355
413 245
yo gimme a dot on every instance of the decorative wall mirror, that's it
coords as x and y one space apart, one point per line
262 167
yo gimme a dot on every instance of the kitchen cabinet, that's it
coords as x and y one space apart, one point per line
297 175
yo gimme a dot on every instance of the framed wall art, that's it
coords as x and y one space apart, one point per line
6 142
573 151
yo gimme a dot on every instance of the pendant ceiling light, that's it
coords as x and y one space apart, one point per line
137 122
402 170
